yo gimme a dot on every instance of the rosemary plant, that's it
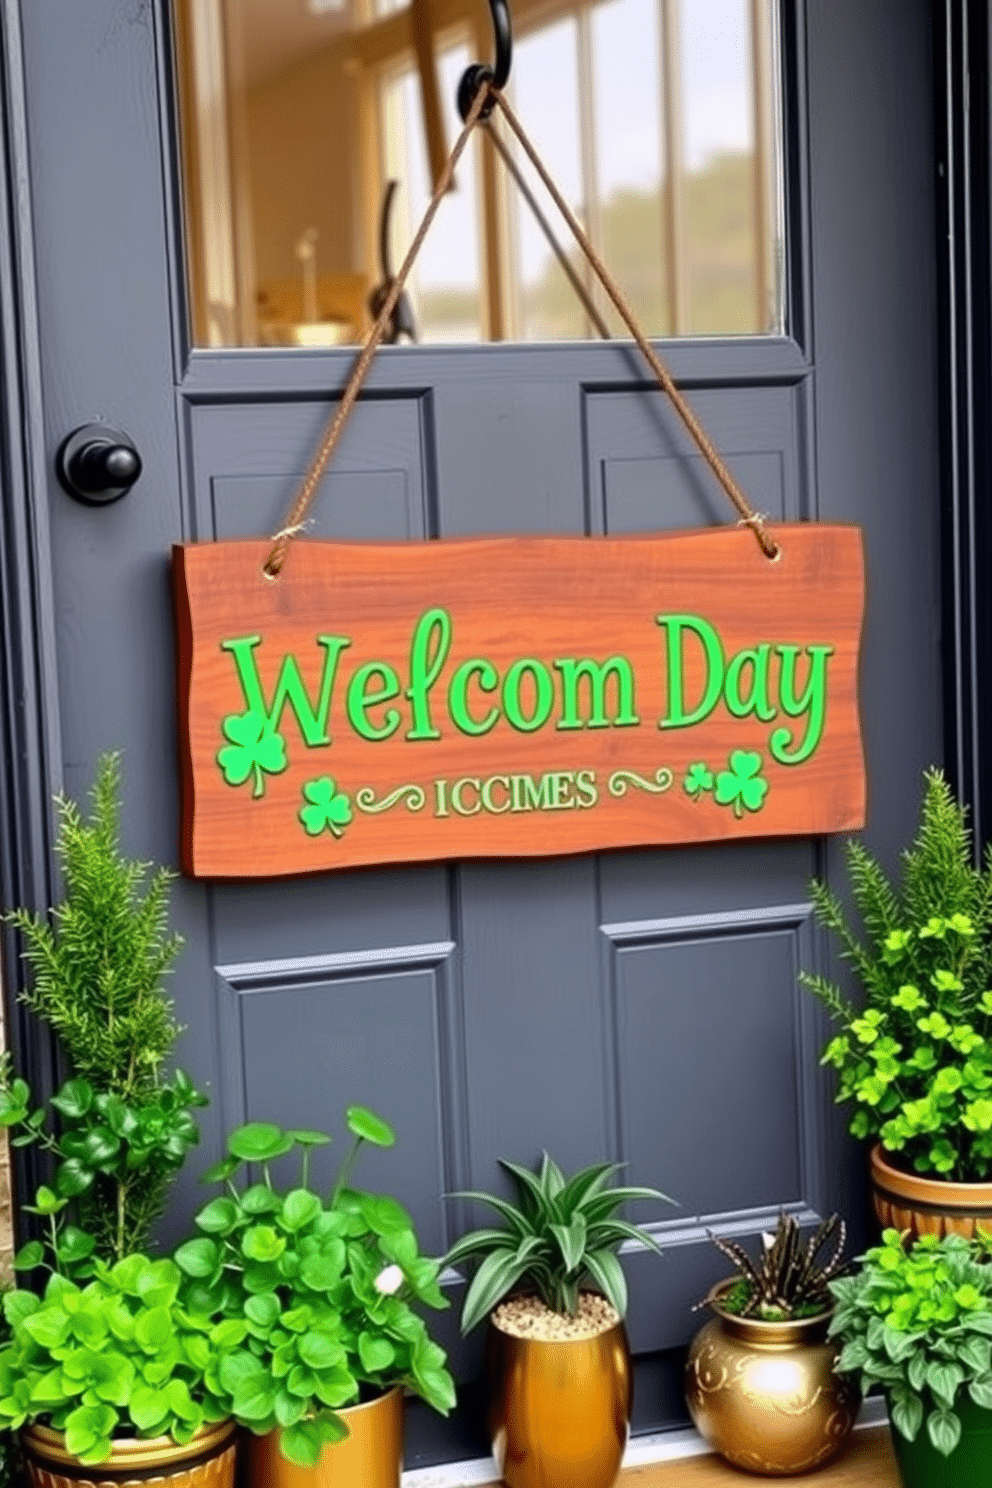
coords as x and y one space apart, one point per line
97 968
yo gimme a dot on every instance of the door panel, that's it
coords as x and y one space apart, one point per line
639 1006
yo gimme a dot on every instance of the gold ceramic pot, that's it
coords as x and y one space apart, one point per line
371 1456
764 1395
558 1410
925 1205
205 1462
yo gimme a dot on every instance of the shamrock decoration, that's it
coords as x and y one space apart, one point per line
250 751
698 779
328 807
740 785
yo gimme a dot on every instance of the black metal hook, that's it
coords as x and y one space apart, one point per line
401 322
473 77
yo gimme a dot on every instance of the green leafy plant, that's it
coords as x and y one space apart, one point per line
916 1059
561 1237
101 1141
118 1356
323 1289
918 1322
97 969
788 1280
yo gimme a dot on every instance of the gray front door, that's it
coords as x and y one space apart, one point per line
637 1006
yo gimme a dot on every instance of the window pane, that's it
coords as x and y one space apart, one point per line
629 151
659 119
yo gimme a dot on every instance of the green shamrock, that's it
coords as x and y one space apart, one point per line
250 751
328 807
698 779
740 784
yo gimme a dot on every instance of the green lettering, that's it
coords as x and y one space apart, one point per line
440 793
585 786
813 702
528 795
757 699
456 796
596 674
543 695
559 798
713 655
487 794
361 698
458 703
428 653
290 688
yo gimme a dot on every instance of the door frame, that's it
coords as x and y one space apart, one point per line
30 734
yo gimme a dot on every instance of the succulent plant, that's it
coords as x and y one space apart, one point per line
787 1280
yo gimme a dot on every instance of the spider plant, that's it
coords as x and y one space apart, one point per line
560 1237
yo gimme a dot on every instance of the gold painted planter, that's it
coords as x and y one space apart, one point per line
370 1457
764 1395
925 1205
205 1462
558 1410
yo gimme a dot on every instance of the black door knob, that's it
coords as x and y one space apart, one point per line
97 464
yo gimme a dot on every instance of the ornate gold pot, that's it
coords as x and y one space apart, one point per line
558 1409
764 1395
925 1205
371 1456
205 1462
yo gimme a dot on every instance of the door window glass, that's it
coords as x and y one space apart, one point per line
660 120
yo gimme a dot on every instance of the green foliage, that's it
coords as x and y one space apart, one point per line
916 1059
97 967
787 1280
101 1142
120 1355
562 1236
919 1323
322 1289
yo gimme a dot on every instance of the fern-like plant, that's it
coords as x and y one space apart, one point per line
97 967
916 1058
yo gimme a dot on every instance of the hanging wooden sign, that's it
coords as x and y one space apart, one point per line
521 696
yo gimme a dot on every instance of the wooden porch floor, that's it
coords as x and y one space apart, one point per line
866 1463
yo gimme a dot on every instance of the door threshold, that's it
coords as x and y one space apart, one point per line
642 1451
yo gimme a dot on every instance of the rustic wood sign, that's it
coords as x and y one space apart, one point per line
519 696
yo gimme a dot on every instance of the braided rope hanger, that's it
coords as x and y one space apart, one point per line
480 82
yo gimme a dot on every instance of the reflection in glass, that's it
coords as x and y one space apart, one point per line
659 119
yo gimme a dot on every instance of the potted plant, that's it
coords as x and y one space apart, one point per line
918 1323
323 1290
916 1059
124 1128
796 1415
557 1364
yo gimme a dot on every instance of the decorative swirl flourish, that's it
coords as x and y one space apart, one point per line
365 799
620 781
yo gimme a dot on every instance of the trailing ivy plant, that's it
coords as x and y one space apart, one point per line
323 1289
916 1059
97 967
118 1356
561 1237
918 1322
